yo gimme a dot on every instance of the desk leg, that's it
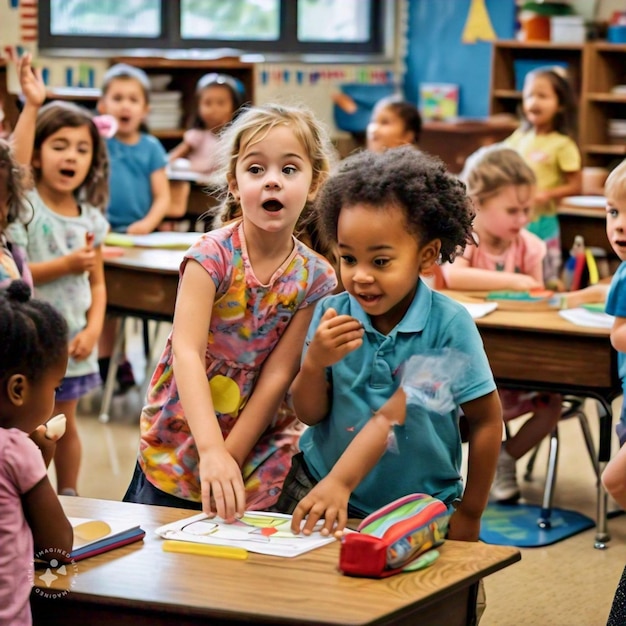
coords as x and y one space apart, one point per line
604 454
109 386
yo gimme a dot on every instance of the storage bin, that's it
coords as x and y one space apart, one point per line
616 33
521 67
567 29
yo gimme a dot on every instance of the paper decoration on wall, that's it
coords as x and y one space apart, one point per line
272 75
439 101
28 20
478 25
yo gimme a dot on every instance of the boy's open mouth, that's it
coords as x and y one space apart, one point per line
69 173
272 206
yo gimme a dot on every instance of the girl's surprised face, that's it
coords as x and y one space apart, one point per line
502 216
540 102
387 130
273 179
126 101
64 159
215 106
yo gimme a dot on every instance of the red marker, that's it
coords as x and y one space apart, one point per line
89 237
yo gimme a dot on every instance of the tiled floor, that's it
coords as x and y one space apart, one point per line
566 584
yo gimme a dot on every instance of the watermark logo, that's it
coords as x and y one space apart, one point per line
60 567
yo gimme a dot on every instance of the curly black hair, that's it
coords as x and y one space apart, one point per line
434 201
34 334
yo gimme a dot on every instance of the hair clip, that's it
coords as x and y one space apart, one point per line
106 125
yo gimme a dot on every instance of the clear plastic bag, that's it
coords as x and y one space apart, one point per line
428 379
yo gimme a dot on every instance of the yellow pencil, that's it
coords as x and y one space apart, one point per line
204 549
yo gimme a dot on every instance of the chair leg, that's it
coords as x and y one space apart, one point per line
593 455
544 520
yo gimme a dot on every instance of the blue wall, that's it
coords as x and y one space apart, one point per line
437 54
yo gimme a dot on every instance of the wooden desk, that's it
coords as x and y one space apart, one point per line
541 350
139 584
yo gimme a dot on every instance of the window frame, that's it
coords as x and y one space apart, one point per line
170 41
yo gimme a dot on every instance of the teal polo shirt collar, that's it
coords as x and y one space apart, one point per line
414 320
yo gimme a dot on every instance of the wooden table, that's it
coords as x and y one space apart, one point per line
139 584
540 350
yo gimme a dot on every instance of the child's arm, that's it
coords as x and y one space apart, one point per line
42 509
220 475
84 342
160 205
336 336
614 477
460 275
34 91
271 387
179 152
79 261
592 294
484 418
618 334
572 187
329 498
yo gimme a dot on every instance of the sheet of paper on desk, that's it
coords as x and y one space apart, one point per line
93 537
591 319
256 531
479 309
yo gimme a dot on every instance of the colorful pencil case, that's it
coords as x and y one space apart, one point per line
524 296
398 537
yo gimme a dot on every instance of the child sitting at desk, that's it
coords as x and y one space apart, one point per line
507 257
395 122
390 215
33 358
218 97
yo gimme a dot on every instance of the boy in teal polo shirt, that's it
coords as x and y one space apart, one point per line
391 216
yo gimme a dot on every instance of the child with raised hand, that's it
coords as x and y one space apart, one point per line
507 257
395 122
61 144
545 140
13 208
33 358
218 97
391 215
217 433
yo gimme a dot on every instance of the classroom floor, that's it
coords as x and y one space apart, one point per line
568 583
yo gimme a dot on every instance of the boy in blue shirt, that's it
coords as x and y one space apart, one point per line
391 217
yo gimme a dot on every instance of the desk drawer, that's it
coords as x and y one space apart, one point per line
567 360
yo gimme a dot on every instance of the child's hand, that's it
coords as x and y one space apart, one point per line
463 527
82 345
328 500
31 81
47 446
81 260
142 227
522 282
223 492
336 336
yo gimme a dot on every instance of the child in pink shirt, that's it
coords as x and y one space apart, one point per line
506 257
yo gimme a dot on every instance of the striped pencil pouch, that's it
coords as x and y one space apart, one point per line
398 537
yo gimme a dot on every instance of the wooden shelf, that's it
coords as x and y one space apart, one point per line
609 148
507 93
538 45
170 133
612 98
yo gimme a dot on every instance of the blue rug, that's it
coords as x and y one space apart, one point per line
516 525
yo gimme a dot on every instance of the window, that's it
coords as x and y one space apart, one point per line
265 26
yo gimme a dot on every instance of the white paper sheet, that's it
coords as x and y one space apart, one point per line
591 319
480 309
256 531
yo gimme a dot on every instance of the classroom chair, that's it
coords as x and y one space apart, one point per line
573 406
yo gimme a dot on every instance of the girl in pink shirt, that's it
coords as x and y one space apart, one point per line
506 257
33 358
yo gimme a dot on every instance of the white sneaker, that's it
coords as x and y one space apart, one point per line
505 487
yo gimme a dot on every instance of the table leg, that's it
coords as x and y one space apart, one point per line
109 385
604 454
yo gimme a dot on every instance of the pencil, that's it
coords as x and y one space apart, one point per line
203 549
